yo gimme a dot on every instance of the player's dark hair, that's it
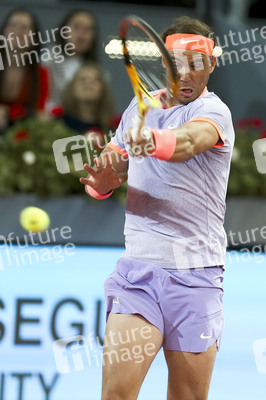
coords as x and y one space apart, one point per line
91 53
34 22
31 66
189 25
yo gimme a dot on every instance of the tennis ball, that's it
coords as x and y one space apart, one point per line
34 219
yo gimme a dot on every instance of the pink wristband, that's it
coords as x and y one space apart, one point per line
95 194
165 142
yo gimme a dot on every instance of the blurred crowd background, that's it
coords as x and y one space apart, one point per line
70 86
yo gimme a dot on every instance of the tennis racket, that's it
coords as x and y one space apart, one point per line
148 63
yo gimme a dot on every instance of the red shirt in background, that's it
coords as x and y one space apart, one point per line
19 107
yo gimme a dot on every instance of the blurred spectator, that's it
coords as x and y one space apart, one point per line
84 33
87 103
236 10
257 9
171 3
23 81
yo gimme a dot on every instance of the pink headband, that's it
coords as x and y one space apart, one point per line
190 41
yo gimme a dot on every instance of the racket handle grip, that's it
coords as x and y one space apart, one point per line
135 127
165 143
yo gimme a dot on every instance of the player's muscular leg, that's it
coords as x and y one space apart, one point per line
189 374
131 344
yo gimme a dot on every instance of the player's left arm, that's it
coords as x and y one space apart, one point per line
194 138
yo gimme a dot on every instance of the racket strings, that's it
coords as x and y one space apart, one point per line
147 59
148 63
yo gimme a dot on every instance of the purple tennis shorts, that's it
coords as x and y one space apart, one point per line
185 305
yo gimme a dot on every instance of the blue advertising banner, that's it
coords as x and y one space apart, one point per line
52 322
47 295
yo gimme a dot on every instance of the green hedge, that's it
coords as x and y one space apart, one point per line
27 161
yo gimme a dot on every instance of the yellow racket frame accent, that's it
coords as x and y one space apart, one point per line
138 87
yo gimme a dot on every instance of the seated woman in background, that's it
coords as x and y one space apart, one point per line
87 103
23 81
84 33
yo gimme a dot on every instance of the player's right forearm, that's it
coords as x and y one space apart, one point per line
119 162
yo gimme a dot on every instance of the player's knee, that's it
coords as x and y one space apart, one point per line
111 396
187 394
190 397
196 396
117 391
114 395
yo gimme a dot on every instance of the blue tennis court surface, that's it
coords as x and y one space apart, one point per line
48 293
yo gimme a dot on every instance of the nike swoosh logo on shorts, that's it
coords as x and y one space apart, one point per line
204 337
182 41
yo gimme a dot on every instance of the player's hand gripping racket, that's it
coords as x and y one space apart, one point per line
148 63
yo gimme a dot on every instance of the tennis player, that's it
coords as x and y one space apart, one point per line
166 290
